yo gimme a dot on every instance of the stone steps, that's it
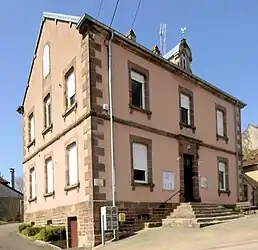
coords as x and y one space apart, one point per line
199 215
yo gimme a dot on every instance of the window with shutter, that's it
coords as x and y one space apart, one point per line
185 109
50 176
72 164
70 87
31 128
47 104
140 163
46 61
138 89
220 123
223 175
33 183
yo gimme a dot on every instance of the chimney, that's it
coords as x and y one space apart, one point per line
131 35
156 50
12 177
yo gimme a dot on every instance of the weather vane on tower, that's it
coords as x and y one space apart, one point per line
183 32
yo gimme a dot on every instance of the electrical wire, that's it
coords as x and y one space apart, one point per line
114 13
136 13
100 6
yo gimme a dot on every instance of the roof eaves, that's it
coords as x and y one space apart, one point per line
51 16
86 17
13 189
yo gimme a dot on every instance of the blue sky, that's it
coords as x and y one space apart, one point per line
222 35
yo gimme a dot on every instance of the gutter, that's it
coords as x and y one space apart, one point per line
86 18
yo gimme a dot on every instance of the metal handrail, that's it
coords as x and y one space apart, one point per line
173 195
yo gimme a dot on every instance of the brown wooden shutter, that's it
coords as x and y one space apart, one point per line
67 167
46 177
132 168
30 184
149 162
227 176
50 112
45 114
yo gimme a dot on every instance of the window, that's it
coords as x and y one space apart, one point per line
72 164
140 163
70 88
31 128
185 109
47 111
220 123
137 85
46 61
49 176
32 183
223 176
184 62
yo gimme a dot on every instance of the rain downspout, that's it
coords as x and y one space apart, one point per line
113 178
111 118
237 167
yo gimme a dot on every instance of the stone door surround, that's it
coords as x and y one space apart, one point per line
190 146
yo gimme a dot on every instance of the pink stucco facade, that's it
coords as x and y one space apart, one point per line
89 126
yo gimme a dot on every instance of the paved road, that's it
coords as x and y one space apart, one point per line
241 234
9 240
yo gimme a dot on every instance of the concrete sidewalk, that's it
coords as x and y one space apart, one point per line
240 234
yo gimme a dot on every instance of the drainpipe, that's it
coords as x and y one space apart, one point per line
238 187
115 232
111 118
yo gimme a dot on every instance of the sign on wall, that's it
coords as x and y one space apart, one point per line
168 181
203 182
109 216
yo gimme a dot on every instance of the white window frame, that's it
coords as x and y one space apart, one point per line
185 102
50 175
72 156
33 183
47 104
222 168
220 122
31 127
46 60
70 86
140 164
141 79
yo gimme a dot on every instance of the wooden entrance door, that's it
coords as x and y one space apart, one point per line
72 232
188 178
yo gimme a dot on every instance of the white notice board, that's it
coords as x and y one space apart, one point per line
204 182
168 182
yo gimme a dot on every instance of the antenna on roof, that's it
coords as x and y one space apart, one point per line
163 38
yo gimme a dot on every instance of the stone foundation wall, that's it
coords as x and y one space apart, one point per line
59 216
136 214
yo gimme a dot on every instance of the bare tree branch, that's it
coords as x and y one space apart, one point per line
19 184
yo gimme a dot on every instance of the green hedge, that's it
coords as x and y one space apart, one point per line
50 233
31 231
23 226
45 233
